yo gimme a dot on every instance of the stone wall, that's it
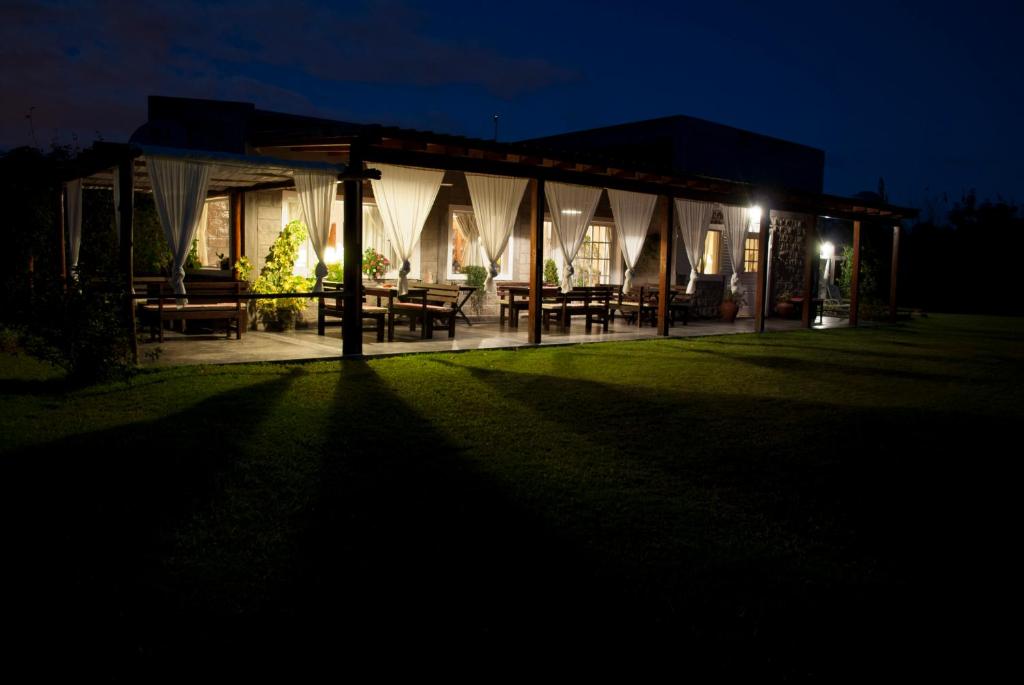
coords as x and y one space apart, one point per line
788 252
218 232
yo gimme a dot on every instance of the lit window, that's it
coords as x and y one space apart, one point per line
464 248
593 263
712 249
750 247
213 236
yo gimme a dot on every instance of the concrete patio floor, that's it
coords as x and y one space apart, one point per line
302 344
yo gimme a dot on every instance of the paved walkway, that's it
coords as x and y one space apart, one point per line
304 344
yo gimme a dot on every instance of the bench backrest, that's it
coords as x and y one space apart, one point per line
203 291
437 293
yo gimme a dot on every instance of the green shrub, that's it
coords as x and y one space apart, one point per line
276 277
476 276
551 272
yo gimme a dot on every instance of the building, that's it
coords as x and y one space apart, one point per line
252 193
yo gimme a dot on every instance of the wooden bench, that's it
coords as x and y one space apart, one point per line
679 306
206 301
593 302
334 306
637 306
511 303
426 304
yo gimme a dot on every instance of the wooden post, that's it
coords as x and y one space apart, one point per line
237 214
855 276
895 271
352 237
126 215
761 290
810 255
664 267
536 260
62 209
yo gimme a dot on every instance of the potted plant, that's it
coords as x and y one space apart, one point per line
550 272
731 303
476 276
375 265
276 277
784 305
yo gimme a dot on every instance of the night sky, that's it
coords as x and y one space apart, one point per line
928 95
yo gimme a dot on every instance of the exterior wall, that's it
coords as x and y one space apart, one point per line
788 254
262 225
217 237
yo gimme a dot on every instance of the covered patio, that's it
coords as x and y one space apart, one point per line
551 197
304 344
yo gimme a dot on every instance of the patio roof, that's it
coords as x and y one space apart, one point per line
230 171
297 135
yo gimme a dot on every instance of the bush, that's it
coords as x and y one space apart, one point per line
551 272
476 276
276 277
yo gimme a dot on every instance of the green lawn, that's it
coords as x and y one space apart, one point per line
814 500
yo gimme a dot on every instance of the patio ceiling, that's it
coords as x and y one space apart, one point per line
229 171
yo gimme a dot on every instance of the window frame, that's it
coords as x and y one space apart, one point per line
507 259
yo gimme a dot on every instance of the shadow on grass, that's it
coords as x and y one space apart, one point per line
823 528
86 520
808 367
409 540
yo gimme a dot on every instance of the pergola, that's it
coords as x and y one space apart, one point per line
282 145
361 145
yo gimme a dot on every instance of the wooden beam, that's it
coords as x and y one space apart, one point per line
62 209
352 240
237 200
855 276
810 256
664 265
126 217
761 290
536 259
895 271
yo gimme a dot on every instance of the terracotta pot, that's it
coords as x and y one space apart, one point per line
784 309
729 310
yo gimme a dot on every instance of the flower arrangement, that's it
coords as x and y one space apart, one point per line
375 265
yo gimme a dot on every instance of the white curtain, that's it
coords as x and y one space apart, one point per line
73 219
736 232
496 201
404 197
179 192
632 213
694 219
317 191
572 207
471 233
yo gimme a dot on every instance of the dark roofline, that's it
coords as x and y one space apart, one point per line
667 119
394 144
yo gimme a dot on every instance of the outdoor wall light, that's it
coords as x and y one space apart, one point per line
754 214
828 250
572 212
332 255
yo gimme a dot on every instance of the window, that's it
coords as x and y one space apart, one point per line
593 263
464 248
373 236
712 250
213 236
750 249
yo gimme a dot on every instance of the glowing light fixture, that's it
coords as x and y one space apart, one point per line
754 214
332 255
828 250
572 212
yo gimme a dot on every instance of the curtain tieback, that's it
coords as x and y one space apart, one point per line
495 270
406 268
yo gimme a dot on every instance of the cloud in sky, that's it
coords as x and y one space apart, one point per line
86 67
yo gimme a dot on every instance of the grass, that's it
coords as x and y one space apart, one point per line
813 501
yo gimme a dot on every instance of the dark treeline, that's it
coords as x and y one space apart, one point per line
962 263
